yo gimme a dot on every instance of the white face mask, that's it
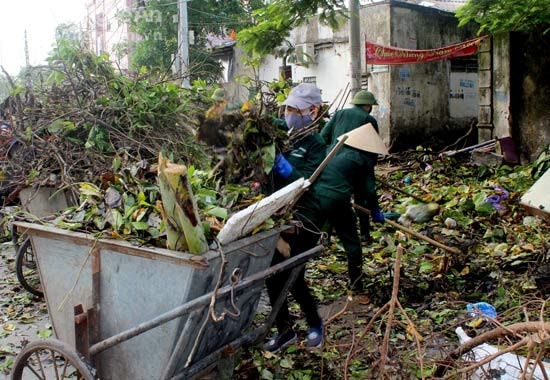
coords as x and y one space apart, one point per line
294 121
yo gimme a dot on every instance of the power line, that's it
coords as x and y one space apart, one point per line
212 14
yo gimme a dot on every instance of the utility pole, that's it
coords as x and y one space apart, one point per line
27 64
183 43
355 46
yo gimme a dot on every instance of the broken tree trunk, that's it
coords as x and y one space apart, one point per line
184 229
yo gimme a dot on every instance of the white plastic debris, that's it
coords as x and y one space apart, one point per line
419 213
531 221
507 366
450 223
244 221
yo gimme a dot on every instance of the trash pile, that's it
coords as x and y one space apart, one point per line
99 134
473 209
487 277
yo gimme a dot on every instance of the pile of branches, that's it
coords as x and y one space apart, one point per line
84 126
73 124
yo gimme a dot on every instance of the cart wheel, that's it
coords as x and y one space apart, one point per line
26 270
51 359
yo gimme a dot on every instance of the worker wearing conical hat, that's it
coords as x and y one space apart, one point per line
351 171
344 121
367 139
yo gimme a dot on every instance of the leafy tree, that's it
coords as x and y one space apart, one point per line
217 17
69 32
156 22
496 16
273 23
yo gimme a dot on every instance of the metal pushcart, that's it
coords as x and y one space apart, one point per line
124 312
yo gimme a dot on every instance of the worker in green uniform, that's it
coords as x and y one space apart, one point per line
301 107
346 120
350 172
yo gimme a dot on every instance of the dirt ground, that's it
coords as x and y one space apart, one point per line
23 316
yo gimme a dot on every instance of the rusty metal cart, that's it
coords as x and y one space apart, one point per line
124 312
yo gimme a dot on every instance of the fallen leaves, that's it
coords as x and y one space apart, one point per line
502 261
9 327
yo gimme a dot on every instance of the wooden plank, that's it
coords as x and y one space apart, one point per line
536 200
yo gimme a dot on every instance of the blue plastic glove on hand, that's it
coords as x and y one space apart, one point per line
282 167
377 216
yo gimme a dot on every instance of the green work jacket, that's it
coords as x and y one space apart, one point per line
306 156
349 172
343 121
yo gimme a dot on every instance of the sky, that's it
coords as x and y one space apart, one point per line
40 19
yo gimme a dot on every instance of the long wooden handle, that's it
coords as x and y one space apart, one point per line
412 232
329 156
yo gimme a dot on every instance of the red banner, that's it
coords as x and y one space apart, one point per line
389 55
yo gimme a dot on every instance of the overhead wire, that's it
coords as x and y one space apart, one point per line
210 14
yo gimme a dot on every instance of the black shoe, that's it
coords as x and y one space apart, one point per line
357 286
280 341
315 336
366 239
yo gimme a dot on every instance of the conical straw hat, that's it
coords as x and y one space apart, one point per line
366 138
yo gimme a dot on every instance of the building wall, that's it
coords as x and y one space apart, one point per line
421 93
414 100
377 28
502 117
329 64
530 92
463 96
515 91
106 31
485 124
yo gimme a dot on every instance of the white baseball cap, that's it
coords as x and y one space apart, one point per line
304 96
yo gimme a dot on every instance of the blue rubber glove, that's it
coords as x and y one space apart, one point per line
377 216
282 167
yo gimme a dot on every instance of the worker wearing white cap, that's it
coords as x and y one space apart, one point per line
301 108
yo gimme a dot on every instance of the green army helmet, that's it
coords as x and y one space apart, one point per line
364 97
219 94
